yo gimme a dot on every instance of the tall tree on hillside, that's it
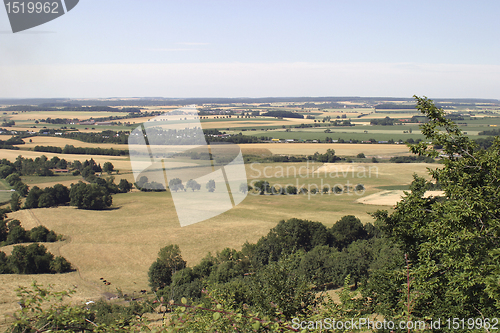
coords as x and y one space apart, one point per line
169 261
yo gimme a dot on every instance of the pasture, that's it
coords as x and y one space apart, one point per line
5 193
341 149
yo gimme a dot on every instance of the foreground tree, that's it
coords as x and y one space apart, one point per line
169 261
452 242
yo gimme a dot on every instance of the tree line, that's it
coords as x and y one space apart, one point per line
283 114
14 233
70 149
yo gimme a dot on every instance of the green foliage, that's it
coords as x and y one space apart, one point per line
280 287
89 196
124 186
13 178
387 121
210 186
262 186
44 310
31 259
15 202
60 265
288 237
17 235
6 170
108 167
169 261
328 157
193 185
347 230
451 242
32 198
175 185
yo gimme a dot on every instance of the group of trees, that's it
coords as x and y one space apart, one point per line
70 149
387 121
96 195
107 136
11 143
8 123
27 166
174 185
14 180
48 197
13 233
145 185
282 114
287 267
32 259
328 157
90 196
412 159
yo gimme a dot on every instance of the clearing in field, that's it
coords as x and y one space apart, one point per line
391 198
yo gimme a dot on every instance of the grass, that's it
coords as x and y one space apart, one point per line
341 149
4 196
50 181
61 142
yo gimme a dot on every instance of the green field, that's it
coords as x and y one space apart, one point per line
4 196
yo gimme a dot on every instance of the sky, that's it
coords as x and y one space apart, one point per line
253 48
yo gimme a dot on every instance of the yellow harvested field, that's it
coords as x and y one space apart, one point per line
37 115
61 142
341 149
391 198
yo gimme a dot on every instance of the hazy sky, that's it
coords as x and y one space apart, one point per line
253 48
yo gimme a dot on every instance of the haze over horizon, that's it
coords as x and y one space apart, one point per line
195 48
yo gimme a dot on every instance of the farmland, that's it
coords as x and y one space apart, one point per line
120 244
